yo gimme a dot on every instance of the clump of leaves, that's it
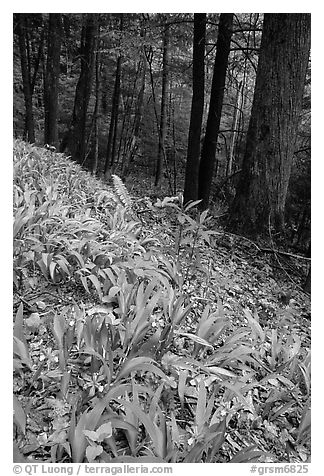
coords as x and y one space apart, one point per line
60 231
136 384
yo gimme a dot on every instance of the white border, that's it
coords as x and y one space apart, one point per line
317 187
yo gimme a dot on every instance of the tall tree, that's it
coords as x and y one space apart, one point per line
208 153
138 115
96 116
197 108
112 135
262 189
92 159
235 121
75 141
26 76
51 80
164 100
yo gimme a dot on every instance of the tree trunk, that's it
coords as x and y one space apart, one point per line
262 189
139 109
39 59
197 108
93 165
236 115
307 284
140 102
164 99
208 154
25 72
52 74
75 140
112 135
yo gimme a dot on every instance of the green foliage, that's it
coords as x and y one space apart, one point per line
191 232
20 346
122 192
139 373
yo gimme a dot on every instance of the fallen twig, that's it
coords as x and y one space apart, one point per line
284 253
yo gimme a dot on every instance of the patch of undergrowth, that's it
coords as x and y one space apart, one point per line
113 360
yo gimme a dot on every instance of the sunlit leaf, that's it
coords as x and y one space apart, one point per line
19 414
197 339
201 406
92 452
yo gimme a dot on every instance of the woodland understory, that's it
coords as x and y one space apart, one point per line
145 332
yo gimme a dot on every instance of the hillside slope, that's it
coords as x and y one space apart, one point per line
142 332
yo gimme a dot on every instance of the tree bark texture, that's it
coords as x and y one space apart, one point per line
93 165
38 61
236 115
164 100
208 153
271 137
112 135
75 141
139 109
307 284
52 75
197 108
25 72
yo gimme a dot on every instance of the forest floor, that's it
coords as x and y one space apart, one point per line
230 274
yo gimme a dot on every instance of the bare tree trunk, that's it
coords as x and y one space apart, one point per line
140 104
75 139
236 115
51 82
197 108
130 152
262 189
39 59
96 115
112 135
96 145
164 98
25 71
126 130
307 285
208 154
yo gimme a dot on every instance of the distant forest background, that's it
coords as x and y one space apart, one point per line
172 101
